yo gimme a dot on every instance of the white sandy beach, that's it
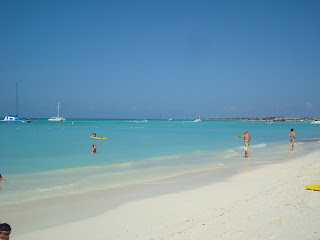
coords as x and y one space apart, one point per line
270 202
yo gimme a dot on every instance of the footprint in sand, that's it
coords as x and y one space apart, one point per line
277 222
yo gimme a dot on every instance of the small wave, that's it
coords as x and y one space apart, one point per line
53 188
261 145
230 153
230 150
128 164
49 189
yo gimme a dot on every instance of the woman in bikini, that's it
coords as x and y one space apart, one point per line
292 136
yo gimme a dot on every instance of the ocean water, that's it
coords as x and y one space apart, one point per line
43 159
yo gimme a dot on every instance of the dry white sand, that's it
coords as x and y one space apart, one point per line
270 202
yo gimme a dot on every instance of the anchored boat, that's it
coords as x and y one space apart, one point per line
12 118
316 122
57 119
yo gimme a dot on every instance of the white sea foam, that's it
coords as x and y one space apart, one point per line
127 164
229 153
53 188
261 145
49 189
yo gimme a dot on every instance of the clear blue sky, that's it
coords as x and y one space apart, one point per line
160 59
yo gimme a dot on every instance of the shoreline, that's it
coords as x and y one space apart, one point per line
57 183
64 211
65 208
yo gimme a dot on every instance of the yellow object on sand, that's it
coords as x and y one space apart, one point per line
314 187
101 138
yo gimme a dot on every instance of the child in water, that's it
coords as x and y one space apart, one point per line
5 231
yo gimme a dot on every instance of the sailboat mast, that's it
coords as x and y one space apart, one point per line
17 99
58 109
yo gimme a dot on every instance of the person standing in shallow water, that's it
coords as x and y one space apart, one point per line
247 139
292 137
94 149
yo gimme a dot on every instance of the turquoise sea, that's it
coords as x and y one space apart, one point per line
43 158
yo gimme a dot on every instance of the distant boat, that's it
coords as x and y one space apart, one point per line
315 122
197 119
15 119
141 120
57 119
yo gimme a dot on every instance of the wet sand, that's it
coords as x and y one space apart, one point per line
263 202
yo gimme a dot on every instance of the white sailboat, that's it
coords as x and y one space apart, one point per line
57 119
12 118
197 119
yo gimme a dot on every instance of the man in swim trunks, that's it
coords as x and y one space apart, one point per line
247 139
